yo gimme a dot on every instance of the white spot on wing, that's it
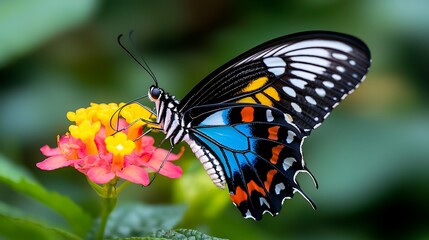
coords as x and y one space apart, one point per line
289 91
296 107
336 77
341 69
310 100
276 65
270 117
277 70
274 62
328 84
279 187
339 56
287 163
321 92
298 82
264 201
290 136
304 75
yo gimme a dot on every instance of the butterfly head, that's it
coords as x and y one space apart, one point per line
155 93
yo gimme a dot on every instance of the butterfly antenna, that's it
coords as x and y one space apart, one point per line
119 110
142 63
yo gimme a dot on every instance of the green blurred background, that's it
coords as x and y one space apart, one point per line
371 157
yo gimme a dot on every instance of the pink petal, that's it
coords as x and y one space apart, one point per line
134 174
100 175
99 141
161 154
54 162
147 141
47 151
146 145
170 170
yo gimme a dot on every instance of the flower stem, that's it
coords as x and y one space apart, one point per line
108 204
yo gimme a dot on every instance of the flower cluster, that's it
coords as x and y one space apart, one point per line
97 150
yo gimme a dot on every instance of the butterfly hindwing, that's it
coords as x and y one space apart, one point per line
259 151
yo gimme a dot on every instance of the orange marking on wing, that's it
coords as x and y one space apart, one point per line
270 176
276 151
253 186
273 132
239 196
247 114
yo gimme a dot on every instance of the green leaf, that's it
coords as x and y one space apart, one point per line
182 234
18 179
136 219
13 172
136 238
26 24
12 227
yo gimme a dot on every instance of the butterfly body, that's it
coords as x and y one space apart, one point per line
246 122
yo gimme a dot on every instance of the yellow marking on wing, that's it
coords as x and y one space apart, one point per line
255 84
247 100
272 93
263 99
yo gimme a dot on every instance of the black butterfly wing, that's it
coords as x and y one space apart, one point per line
304 75
291 84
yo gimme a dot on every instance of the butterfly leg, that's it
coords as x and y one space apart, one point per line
162 164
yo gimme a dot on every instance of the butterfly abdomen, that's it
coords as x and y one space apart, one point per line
210 163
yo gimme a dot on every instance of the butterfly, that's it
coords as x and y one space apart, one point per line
247 120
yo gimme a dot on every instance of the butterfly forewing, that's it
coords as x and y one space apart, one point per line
303 75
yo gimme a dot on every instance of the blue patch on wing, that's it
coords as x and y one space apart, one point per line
244 128
227 137
229 167
233 165
251 157
218 118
